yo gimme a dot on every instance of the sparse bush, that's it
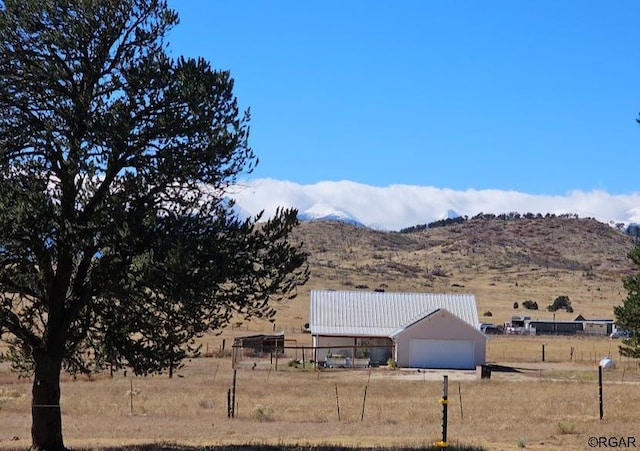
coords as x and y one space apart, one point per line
530 305
206 403
521 442
438 272
391 363
8 393
565 428
413 229
262 413
221 353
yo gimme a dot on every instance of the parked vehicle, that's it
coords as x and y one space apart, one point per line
491 329
620 334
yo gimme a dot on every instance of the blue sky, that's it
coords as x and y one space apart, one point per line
538 97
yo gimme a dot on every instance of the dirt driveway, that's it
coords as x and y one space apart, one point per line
507 371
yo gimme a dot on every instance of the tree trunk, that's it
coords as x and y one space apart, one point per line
46 426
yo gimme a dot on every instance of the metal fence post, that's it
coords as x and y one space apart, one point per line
444 401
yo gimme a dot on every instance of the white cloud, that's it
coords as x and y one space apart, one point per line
396 206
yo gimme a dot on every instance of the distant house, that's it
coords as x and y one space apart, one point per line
416 330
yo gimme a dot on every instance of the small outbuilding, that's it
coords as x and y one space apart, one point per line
260 345
416 330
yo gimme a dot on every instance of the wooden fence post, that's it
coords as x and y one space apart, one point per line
364 401
337 402
460 396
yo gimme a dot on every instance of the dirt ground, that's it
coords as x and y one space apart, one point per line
503 371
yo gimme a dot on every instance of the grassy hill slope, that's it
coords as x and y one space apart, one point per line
500 261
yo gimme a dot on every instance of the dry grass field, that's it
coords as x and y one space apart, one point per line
527 403
540 406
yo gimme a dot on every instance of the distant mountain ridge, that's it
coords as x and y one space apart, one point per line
325 212
584 246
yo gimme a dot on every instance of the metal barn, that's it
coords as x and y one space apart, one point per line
416 330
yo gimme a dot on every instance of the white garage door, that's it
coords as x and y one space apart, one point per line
453 354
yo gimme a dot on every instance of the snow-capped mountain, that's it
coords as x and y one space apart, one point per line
452 214
321 211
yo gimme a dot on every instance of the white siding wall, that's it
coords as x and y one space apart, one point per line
440 326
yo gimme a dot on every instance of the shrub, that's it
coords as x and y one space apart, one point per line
561 302
487 313
206 403
222 353
262 413
530 305
565 427
515 305
438 272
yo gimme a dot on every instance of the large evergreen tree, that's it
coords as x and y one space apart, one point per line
628 314
117 243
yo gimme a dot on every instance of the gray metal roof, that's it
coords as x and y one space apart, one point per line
373 314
